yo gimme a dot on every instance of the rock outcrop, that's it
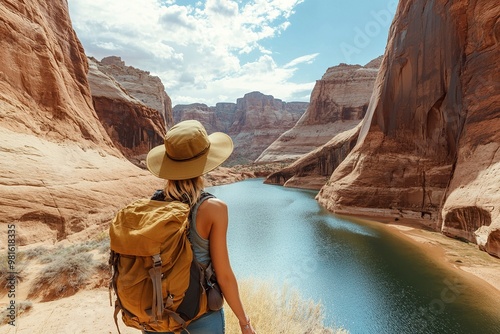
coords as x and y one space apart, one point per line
313 170
201 112
338 103
253 122
60 172
260 120
429 145
134 127
140 84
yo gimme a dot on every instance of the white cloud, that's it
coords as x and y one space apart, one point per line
176 17
304 59
263 75
222 7
196 49
108 46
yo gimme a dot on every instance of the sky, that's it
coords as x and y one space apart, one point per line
210 51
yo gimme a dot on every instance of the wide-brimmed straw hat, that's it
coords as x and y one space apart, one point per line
188 152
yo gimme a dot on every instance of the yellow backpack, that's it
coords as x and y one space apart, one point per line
157 281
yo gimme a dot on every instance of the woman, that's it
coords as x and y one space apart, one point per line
187 154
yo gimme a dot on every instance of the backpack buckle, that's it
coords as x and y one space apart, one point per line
156 260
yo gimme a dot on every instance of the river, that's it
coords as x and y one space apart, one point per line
368 280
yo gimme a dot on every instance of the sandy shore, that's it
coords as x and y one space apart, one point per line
456 254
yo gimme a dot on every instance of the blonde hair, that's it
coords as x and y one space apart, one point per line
187 191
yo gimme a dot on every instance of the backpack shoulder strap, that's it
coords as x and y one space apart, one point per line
159 195
203 197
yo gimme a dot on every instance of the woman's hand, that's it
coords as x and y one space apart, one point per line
246 328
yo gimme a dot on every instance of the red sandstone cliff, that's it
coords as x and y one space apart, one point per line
429 146
312 170
43 75
60 172
134 127
141 85
338 103
260 120
208 116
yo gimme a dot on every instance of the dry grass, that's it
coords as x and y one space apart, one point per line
278 310
21 309
63 277
63 271
6 275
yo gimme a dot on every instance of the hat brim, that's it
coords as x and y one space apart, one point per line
160 165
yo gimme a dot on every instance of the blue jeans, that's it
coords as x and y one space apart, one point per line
209 323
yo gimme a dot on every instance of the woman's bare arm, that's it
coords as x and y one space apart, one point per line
216 212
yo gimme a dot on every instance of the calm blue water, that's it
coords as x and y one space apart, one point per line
368 280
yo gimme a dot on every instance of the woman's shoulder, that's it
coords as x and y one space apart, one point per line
213 212
214 209
213 203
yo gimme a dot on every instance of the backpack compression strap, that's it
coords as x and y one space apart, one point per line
157 307
155 273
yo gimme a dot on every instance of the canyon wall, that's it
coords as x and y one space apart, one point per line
338 103
208 116
140 84
312 170
253 122
134 127
61 174
429 145
259 120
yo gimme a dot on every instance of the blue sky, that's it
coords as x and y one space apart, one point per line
218 50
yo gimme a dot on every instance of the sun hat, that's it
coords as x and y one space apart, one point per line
188 152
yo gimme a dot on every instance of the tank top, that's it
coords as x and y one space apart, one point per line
201 246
